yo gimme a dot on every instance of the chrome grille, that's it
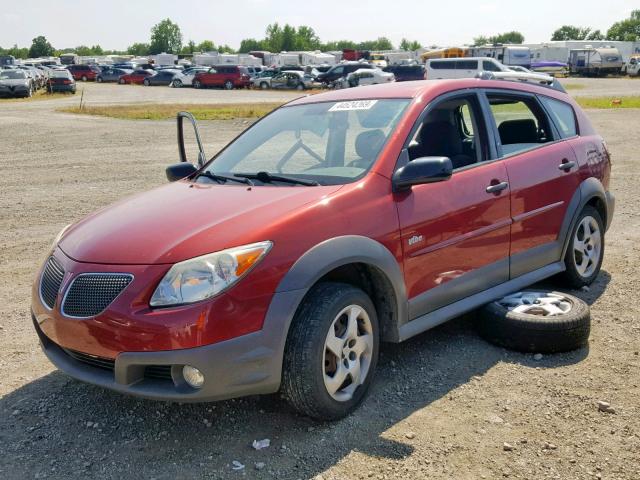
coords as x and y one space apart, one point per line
91 293
50 281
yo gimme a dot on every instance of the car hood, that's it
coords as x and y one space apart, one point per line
183 220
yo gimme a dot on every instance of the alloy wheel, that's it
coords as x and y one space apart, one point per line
544 304
587 246
348 352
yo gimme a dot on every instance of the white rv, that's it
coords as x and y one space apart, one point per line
595 61
510 55
317 58
165 59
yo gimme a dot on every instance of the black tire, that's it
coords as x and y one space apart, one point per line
536 333
571 276
99 79
300 86
228 85
303 368
177 84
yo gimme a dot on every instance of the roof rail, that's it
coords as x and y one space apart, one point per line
537 78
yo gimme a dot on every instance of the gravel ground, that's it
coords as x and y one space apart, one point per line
444 405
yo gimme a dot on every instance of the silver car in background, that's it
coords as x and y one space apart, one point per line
288 79
15 83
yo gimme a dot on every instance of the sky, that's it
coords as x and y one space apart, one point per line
116 24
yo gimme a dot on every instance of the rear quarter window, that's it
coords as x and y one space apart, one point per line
562 115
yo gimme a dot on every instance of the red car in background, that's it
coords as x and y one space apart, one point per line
136 77
226 76
84 72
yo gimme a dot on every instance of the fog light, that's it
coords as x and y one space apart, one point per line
193 376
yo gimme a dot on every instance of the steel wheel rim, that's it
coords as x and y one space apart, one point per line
587 246
541 304
347 354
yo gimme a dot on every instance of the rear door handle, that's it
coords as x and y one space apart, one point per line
566 166
498 187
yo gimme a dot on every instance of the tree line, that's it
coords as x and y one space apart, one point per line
166 37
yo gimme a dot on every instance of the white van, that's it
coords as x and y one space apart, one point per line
466 67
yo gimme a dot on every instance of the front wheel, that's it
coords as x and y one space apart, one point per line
146 82
228 85
264 85
300 87
331 352
197 84
99 79
586 249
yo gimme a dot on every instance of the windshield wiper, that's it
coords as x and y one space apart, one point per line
266 177
223 178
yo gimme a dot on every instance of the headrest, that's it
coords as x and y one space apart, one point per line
518 131
368 144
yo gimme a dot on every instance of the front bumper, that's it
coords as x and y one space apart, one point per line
246 365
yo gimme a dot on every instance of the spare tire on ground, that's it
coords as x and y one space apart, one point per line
540 321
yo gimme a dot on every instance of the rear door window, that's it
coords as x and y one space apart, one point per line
466 65
562 115
521 121
489 66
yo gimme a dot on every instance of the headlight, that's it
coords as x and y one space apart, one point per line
59 236
203 277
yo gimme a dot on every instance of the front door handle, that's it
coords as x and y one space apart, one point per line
497 187
566 165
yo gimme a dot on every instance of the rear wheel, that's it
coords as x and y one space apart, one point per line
122 81
84 78
300 87
228 85
331 352
99 79
586 249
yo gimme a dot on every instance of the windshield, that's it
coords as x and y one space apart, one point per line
329 143
12 75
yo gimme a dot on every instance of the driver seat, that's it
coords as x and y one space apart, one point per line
368 145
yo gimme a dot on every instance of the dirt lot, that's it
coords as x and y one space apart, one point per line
442 406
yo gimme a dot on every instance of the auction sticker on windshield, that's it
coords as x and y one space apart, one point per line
354 105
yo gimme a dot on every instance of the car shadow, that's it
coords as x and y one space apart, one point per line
56 426
589 294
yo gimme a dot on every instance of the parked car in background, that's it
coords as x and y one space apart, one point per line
336 223
341 71
161 77
369 76
406 73
136 77
632 67
226 76
290 80
61 81
185 78
253 71
84 72
111 74
16 83
450 68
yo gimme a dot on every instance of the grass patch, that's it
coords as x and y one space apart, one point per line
169 111
39 95
573 86
609 102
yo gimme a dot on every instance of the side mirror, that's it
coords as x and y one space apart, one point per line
180 170
202 158
422 170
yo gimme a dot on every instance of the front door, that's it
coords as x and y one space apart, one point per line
543 174
455 233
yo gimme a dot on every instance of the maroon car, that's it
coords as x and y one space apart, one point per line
225 76
84 72
335 223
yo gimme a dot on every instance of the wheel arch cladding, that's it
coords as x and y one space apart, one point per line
590 192
359 261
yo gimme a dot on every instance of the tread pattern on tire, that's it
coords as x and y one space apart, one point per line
531 333
299 385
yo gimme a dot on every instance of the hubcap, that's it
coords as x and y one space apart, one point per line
587 246
544 304
348 350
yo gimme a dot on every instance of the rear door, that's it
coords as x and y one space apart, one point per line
543 176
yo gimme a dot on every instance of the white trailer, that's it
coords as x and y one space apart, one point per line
206 59
286 58
512 55
317 58
165 59
400 58
249 60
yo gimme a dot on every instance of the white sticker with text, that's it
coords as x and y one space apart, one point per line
353 105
